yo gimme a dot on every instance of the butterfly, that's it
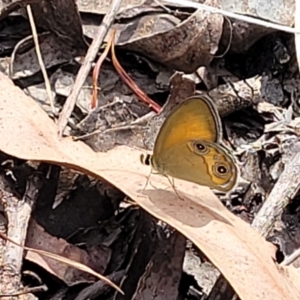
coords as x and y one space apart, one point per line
189 146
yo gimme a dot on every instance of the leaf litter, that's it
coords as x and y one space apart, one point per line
90 218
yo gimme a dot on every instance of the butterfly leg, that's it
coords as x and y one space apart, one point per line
171 181
174 187
148 181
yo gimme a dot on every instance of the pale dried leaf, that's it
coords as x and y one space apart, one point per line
37 238
241 254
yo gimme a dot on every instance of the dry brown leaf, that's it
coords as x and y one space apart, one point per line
62 18
183 46
37 238
240 253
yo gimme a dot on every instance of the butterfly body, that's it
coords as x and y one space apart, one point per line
189 146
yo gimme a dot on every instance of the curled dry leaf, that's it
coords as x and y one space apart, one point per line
236 249
183 46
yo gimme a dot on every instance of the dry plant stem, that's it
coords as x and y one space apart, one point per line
15 51
13 55
97 70
291 258
138 123
87 65
40 59
229 42
251 20
42 288
125 77
18 213
162 6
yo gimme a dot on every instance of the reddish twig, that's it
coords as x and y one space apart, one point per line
125 77
97 67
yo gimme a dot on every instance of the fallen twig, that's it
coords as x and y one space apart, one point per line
97 69
87 65
18 213
40 58
281 195
125 77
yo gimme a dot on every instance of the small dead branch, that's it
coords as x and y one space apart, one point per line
18 213
96 71
282 194
42 288
40 58
86 67
125 77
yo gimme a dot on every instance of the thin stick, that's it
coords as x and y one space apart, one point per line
284 190
30 290
186 3
13 55
86 67
18 212
126 78
40 59
15 51
96 71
